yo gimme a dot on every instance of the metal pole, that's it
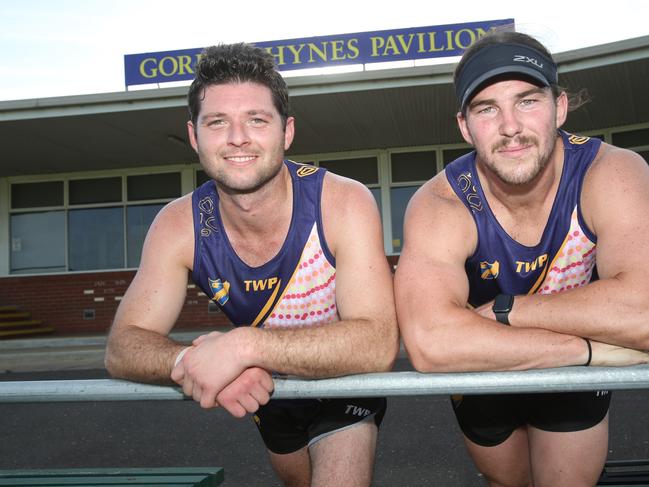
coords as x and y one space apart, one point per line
363 385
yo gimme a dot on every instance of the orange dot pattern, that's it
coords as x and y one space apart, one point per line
574 264
310 297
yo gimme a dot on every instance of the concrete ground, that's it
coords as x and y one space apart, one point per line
419 443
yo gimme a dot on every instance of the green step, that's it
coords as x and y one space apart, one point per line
21 323
189 476
25 331
16 314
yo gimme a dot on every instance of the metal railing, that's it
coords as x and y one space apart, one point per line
363 385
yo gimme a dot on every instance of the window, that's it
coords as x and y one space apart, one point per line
363 169
413 166
399 198
33 195
101 190
153 186
201 177
449 155
636 140
37 237
376 192
37 242
631 138
408 171
138 221
96 238
85 224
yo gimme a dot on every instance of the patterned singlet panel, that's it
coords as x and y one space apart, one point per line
297 287
565 256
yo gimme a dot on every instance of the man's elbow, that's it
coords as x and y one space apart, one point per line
422 361
114 357
642 337
642 340
637 330
111 362
387 349
390 355
422 356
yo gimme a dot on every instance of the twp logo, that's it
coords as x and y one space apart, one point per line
261 284
519 58
357 411
537 263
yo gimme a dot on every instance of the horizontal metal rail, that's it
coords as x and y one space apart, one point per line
363 385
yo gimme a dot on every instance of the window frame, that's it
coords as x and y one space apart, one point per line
186 176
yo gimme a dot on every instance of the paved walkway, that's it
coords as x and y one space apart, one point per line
62 353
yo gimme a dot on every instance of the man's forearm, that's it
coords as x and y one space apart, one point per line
340 348
140 355
605 310
455 339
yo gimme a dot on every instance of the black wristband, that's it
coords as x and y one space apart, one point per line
502 306
590 352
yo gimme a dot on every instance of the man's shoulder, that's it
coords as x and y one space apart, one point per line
338 191
438 224
435 210
612 164
616 179
175 218
610 154
178 208
171 235
436 193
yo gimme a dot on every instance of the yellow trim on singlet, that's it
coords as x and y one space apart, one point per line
289 281
268 304
541 278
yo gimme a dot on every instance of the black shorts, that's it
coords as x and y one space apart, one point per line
489 420
288 425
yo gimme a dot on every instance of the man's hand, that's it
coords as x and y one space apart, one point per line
214 361
201 338
246 393
605 355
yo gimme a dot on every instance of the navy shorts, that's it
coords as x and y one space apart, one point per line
489 420
288 425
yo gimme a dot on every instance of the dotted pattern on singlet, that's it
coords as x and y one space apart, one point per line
310 297
574 263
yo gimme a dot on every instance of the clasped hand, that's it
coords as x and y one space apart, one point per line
213 373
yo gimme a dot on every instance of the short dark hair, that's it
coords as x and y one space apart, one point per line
237 63
512 37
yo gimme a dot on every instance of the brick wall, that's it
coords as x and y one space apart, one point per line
61 300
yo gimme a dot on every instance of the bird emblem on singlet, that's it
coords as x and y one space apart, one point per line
220 290
489 270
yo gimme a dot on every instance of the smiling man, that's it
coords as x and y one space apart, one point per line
528 252
292 254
